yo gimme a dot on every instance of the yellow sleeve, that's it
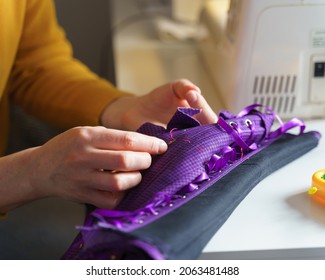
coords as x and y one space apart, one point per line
47 81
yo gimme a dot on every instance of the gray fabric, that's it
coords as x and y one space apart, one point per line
184 232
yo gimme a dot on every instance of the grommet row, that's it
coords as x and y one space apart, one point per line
169 201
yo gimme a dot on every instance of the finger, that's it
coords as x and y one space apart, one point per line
110 139
119 160
104 199
114 182
196 100
185 89
182 86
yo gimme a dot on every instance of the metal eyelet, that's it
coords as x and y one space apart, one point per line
248 122
233 124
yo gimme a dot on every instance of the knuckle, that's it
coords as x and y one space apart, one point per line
146 160
82 135
154 147
129 161
121 182
129 141
78 145
122 161
117 183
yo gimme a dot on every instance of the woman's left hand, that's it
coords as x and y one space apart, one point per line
157 107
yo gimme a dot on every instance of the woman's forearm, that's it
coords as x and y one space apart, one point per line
16 171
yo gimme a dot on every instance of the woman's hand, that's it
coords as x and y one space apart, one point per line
157 107
97 165
92 165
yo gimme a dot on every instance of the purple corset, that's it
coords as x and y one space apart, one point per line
197 156
191 147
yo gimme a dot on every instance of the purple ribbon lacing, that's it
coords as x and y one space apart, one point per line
284 127
227 156
117 219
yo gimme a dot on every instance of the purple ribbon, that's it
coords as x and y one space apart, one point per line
217 162
252 128
250 108
284 127
195 184
117 219
295 122
239 141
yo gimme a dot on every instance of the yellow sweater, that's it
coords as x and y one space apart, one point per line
38 73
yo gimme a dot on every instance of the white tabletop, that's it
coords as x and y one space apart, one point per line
277 219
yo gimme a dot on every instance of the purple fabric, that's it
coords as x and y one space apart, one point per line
191 145
100 246
197 157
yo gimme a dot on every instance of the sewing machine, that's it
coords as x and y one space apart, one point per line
267 51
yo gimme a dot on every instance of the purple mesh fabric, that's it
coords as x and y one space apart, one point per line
191 145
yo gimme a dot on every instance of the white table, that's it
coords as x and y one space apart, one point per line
277 220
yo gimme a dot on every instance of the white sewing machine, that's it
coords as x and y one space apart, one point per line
267 51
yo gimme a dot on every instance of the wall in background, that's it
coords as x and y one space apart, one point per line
88 24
